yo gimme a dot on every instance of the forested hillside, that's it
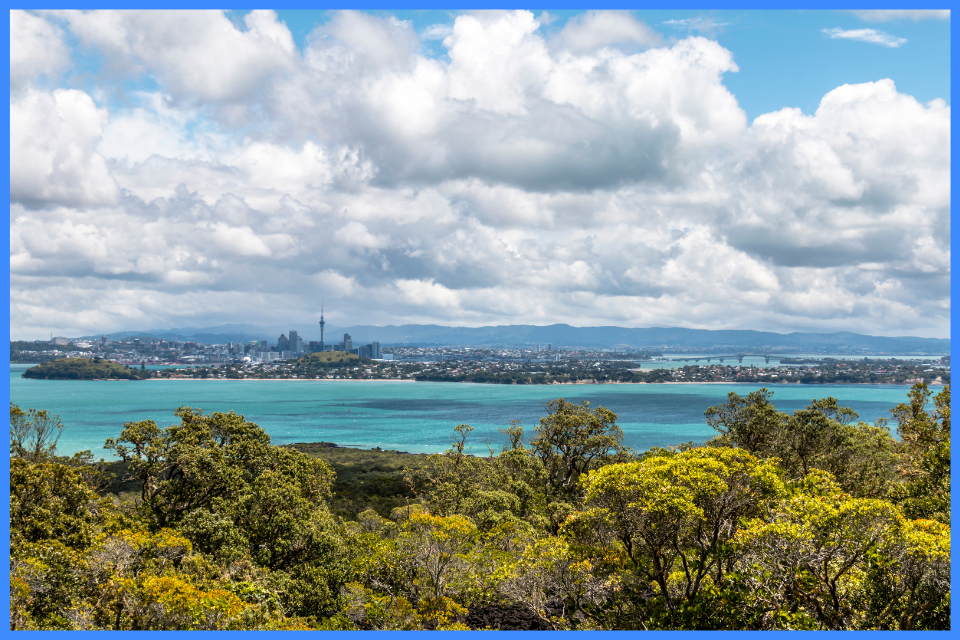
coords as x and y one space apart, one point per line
810 520
85 369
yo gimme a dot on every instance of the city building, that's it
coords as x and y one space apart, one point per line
347 342
282 343
295 342
322 323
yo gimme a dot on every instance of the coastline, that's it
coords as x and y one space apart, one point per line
538 384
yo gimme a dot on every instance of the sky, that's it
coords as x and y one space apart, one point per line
768 170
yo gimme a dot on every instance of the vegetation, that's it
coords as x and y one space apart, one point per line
597 369
809 520
22 351
85 369
327 358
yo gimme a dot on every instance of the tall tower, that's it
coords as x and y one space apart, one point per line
321 325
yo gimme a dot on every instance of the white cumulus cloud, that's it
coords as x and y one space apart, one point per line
36 48
595 175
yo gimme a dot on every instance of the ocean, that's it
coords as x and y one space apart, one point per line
418 417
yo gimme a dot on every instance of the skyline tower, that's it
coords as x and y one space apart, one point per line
321 325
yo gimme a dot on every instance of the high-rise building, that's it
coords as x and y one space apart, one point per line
347 342
321 325
282 343
549 346
293 339
375 350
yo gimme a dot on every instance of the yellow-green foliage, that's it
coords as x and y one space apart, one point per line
570 531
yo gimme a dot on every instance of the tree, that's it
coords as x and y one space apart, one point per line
908 580
217 479
751 423
570 440
823 435
924 455
191 465
33 434
811 554
52 501
672 517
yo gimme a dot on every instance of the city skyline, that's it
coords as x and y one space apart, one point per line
775 171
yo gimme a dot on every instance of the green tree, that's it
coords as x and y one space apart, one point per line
217 479
673 517
33 434
52 501
924 455
823 436
570 440
908 579
811 554
751 423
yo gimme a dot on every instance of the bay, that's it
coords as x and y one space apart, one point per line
418 417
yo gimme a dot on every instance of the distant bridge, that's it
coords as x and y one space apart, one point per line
739 356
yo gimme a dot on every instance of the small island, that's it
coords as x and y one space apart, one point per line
85 369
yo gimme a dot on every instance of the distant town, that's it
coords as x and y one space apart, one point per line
290 358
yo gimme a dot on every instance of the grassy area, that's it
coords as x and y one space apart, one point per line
366 478
327 357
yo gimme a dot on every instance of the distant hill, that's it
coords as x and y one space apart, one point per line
660 338
212 335
563 335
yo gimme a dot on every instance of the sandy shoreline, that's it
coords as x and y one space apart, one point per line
285 379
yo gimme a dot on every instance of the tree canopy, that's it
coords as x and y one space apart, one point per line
810 520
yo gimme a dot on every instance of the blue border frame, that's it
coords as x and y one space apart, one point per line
617 4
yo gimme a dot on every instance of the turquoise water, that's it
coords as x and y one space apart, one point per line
418 417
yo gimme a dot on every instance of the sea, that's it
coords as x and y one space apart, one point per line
416 417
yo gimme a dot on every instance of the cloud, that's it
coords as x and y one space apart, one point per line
865 35
885 15
36 48
595 29
53 139
196 55
702 24
436 32
518 179
507 107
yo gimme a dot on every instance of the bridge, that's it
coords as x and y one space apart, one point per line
739 356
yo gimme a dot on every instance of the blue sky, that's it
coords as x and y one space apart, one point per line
189 168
